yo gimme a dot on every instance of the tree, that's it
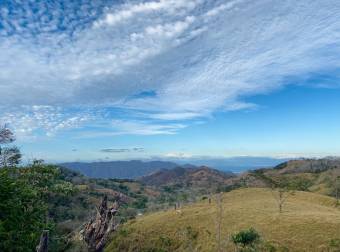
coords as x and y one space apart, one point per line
26 201
281 194
22 213
280 186
6 135
219 218
337 190
9 156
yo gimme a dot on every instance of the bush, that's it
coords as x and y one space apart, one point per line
246 238
334 245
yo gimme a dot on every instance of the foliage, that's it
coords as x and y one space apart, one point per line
6 135
140 202
22 214
246 238
10 156
26 204
334 244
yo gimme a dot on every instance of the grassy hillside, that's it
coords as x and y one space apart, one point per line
309 222
313 175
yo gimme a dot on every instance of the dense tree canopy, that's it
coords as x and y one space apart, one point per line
25 195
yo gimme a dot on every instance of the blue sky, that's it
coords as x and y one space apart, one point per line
89 80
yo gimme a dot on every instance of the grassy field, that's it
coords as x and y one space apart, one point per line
308 223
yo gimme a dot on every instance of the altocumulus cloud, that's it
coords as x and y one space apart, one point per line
115 150
64 64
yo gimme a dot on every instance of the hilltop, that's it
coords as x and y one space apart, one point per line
314 175
309 222
200 176
307 165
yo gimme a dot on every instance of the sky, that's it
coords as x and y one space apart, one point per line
108 80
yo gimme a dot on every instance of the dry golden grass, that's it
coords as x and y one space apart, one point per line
308 222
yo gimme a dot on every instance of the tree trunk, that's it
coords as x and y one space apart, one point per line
219 221
43 244
97 231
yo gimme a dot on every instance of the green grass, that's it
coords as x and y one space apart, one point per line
309 222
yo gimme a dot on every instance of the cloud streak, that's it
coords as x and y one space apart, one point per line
198 57
124 150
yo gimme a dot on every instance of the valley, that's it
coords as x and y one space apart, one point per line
159 209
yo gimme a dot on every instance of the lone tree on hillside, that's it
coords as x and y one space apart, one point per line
336 189
281 188
281 194
219 219
97 231
9 156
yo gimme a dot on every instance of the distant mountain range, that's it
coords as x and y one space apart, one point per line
119 169
137 168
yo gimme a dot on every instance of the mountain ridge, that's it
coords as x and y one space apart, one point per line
118 169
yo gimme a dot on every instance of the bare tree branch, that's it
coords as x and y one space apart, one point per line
6 135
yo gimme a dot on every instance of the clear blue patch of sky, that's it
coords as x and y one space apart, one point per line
296 119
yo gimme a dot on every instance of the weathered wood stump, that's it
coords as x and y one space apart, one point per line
97 230
43 244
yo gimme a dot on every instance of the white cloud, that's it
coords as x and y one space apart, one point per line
129 11
225 6
197 56
175 116
144 128
133 127
177 155
29 122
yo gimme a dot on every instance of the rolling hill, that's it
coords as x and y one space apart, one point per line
183 185
309 222
203 176
308 165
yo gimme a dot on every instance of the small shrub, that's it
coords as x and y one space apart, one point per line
165 241
191 233
334 245
246 238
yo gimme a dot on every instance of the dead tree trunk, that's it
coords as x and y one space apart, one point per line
281 195
97 231
43 243
219 218
337 190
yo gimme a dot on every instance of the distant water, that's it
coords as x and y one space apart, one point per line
236 164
